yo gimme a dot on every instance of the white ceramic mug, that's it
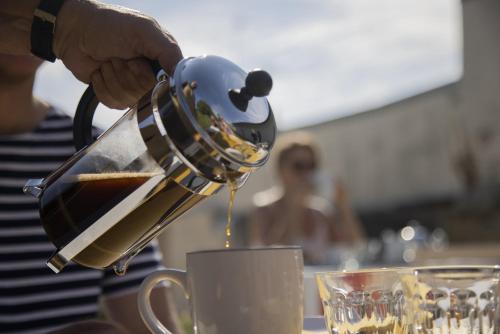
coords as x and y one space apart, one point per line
244 291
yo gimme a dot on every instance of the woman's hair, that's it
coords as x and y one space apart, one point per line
291 141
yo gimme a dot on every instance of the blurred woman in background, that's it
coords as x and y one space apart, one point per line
292 214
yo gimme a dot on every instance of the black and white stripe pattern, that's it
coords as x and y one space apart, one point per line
32 298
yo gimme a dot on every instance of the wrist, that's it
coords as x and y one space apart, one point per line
19 9
45 20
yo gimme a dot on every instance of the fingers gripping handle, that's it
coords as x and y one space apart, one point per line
155 66
143 299
82 123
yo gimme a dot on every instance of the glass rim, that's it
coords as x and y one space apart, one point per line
411 270
342 273
453 268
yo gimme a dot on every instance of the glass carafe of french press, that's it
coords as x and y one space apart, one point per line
208 124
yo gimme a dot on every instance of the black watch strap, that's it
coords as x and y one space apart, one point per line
44 27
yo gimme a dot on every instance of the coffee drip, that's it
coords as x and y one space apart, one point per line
233 188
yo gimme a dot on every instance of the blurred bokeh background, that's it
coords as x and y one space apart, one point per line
401 96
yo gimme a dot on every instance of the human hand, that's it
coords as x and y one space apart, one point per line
340 195
108 46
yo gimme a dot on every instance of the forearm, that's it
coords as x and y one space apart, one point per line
23 8
350 224
88 37
15 25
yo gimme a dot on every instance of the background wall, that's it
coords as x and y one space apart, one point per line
438 147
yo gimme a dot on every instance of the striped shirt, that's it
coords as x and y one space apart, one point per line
32 298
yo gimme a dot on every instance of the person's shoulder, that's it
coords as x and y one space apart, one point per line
267 197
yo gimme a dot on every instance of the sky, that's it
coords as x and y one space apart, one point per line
328 58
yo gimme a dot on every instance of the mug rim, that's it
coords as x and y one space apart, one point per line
245 249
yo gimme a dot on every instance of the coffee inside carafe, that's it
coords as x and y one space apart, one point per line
72 204
81 199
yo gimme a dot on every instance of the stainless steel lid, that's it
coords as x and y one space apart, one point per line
227 108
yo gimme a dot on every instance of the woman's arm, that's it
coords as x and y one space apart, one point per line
347 222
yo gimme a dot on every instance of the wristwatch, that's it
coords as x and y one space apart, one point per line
44 27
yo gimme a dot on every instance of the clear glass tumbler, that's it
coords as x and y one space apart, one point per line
453 300
365 301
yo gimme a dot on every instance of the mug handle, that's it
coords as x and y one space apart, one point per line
146 311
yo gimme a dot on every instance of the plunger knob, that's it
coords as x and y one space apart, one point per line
258 83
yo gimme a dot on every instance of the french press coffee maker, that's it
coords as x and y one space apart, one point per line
207 125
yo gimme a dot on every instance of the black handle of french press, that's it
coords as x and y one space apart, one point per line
82 122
